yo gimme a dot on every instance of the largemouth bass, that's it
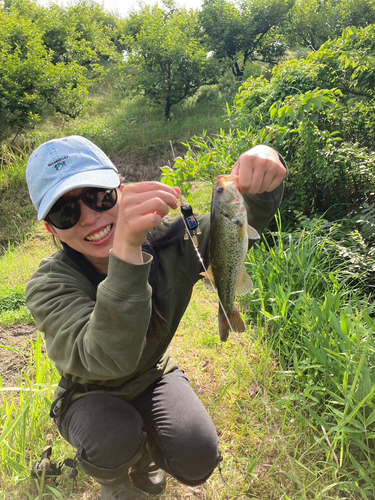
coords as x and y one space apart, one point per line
229 235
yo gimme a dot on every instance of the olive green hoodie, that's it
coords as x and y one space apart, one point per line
102 335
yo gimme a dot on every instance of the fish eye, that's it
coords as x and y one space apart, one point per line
220 190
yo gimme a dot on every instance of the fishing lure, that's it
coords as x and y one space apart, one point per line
191 222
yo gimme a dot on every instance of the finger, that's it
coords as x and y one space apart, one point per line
259 173
134 230
257 181
153 206
140 187
275 174
273 183
177 192
244 174
137 227
236 168
129 197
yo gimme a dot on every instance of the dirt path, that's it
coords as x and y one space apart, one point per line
145 166
14 351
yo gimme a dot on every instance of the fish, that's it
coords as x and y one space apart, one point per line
228 247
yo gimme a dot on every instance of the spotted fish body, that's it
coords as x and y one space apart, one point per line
229 236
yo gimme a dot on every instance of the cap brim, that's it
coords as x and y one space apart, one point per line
104 178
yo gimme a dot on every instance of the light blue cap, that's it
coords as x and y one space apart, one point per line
61 165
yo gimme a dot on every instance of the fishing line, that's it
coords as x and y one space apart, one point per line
195 245
206 272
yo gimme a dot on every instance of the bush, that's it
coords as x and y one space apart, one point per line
306 112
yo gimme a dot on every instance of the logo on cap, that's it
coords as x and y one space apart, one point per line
59 164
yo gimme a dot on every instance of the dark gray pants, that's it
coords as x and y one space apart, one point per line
110 434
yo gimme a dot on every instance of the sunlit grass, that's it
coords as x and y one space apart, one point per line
137 126
19 263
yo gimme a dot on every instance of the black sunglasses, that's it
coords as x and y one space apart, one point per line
66 213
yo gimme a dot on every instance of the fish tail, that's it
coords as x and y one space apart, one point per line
236 324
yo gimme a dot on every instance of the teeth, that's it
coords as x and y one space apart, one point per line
101 235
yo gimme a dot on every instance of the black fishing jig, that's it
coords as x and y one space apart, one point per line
191 222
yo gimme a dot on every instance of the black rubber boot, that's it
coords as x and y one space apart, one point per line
115 483
121 489
147 477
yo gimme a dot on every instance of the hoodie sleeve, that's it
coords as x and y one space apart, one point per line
261 208
92 337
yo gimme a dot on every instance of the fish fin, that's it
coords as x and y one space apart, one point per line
223 326
208 280
235 321
252 233
244 285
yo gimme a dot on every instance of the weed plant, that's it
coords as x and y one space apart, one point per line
12 306
25 423
16 267
17 215
320 322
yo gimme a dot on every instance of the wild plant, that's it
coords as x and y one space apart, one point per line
24 416
319 320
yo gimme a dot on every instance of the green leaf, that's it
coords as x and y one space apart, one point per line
319 355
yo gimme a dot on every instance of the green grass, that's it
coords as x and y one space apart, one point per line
136 126
19 262
321 327
16 267
17 215
292 398
25 423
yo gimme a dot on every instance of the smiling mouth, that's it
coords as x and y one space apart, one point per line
101 235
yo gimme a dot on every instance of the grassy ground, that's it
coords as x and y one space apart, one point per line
239 383
292 399
270 451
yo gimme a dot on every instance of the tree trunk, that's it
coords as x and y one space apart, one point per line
167 110
237 70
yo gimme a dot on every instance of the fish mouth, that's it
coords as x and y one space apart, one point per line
225 180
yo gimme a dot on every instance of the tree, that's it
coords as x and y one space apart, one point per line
319 113
249 31
50 57
82 32
30 84
312 22
357 13
165 59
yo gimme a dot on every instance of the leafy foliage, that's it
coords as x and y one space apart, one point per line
83 33
312 22
322 330
49 58
313 126
240 33
12 306
165 58
306 111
